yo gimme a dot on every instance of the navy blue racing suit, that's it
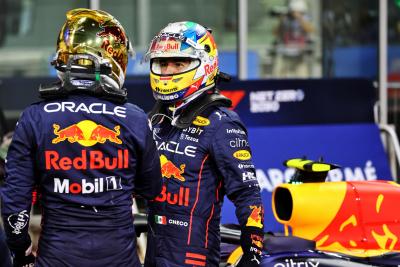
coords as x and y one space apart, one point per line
87 156
5 259
200 164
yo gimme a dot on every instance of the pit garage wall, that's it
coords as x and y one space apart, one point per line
317 118
332 119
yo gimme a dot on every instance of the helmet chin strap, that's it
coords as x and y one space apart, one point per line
191 98
72 74
93 80
186 116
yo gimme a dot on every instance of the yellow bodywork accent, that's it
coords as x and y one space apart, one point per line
309 198
394 183
352 220
382 240
235 255
308 165
379 202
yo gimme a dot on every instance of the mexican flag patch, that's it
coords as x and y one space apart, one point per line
160 219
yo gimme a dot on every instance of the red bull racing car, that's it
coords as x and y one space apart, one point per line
327 224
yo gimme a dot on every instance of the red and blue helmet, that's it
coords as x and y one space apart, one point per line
187 40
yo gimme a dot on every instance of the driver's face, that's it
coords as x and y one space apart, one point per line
173 65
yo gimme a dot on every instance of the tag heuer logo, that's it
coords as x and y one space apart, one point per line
201 121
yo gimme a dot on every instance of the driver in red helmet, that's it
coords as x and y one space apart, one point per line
204 153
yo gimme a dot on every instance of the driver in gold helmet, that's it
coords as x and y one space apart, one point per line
87 151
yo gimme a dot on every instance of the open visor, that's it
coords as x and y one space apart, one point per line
189 64
172 45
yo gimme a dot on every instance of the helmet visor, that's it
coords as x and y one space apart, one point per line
175 65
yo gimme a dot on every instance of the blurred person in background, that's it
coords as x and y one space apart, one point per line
204 153
86 150
293 42
4 145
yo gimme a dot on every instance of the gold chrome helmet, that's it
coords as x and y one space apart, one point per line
187 40
92 52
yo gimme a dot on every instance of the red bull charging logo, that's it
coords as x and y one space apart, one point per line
255 217
86 133
113 31
373 226
168 169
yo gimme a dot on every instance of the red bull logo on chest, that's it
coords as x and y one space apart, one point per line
86 133
169 170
